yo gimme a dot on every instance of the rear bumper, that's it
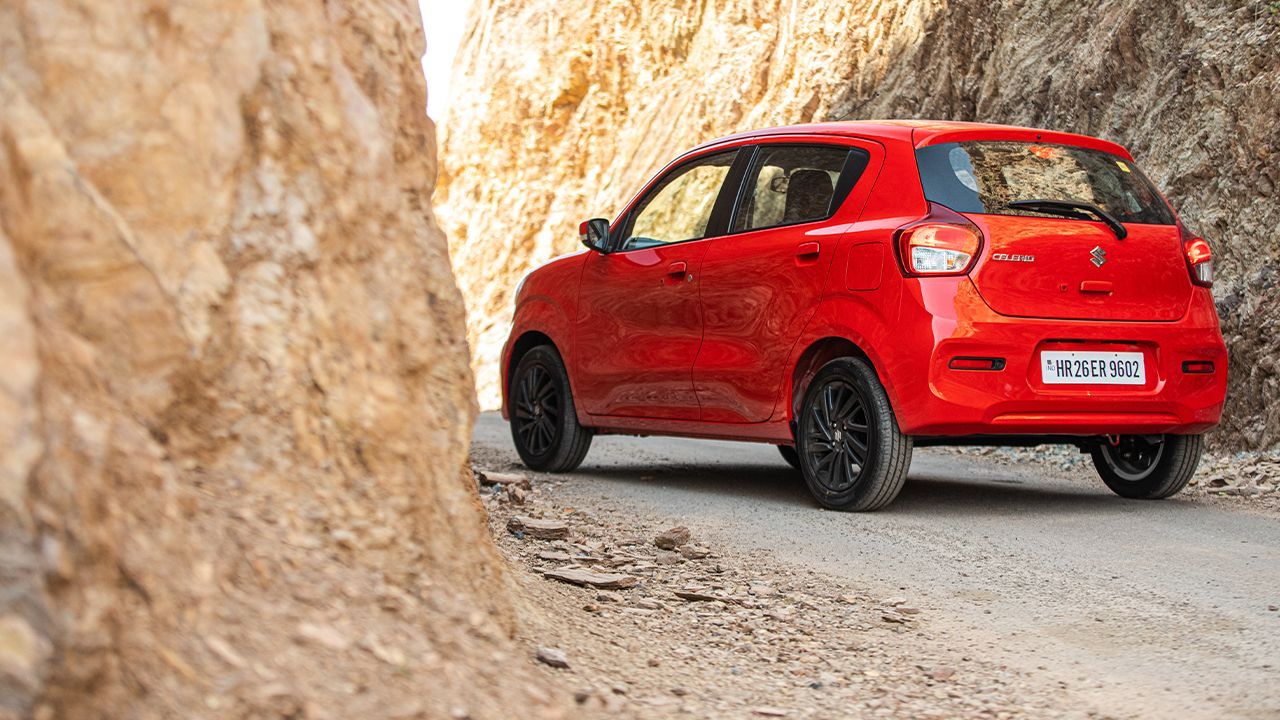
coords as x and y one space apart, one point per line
1015 401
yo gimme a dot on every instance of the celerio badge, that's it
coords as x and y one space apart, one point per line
1099 256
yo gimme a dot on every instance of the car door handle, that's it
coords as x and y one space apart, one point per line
1096 286
677 269
808 250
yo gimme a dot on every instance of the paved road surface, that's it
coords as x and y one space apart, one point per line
1142 609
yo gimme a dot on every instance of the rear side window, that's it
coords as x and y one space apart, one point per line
985 176
789 184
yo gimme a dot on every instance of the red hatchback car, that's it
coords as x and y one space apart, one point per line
850 290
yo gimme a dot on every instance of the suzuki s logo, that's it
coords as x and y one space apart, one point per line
1099 256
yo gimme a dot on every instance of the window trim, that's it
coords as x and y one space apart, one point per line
717 224
857 160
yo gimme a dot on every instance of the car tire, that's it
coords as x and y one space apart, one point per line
1140 469
790 455
852 453
544 422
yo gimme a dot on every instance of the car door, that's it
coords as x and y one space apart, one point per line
639 321
762 282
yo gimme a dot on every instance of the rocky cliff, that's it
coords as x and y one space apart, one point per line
235 402
571 105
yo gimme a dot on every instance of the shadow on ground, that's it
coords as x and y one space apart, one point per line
940 484
925 493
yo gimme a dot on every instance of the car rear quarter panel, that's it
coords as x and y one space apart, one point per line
853 307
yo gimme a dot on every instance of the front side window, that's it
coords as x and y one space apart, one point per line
679 207
985 176
790 184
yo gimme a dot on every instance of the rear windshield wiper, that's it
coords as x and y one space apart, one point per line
1072 209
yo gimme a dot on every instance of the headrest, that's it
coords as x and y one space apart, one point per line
808 195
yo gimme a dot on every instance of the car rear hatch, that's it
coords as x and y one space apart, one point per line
1074 269
1059 260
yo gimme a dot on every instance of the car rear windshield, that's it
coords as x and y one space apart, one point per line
984 176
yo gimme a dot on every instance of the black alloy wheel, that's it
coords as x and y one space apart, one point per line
852 453
544 423
1147 467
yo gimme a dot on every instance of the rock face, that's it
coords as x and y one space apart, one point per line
574 104
235 402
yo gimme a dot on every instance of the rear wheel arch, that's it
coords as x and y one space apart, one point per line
818 354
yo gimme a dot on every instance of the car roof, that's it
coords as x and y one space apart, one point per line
921 133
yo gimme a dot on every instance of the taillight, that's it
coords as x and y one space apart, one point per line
943 243
1199 260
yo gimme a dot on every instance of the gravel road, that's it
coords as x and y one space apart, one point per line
1139 609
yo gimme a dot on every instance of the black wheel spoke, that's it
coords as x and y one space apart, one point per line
529 433
821 446
841 479
822 426
855 407
848 404
857 449
546 435
529 387
827 477
824 463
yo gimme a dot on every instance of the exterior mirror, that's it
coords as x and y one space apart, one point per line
594 233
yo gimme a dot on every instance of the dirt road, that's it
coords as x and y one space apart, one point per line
1138 609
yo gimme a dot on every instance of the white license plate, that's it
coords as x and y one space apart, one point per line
1092 368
